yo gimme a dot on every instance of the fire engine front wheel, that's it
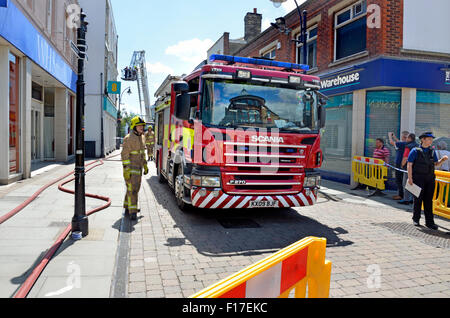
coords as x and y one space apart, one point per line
180 190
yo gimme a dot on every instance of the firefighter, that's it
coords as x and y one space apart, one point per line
133 160
150 142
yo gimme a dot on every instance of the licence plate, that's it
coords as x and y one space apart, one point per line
263 204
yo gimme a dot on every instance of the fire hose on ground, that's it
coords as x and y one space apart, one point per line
33 277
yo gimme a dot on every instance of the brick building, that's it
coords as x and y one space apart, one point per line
385 64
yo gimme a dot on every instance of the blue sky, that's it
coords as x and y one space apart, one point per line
177 33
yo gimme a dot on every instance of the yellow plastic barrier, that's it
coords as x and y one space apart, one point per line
441 205
369 171
295 267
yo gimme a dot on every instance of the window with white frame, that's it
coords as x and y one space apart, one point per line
350 28
272 54
311 47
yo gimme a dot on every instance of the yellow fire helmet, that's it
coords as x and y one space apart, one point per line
137 121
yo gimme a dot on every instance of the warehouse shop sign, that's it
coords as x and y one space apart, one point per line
340 81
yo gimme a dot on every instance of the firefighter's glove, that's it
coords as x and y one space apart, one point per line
127 174
145 170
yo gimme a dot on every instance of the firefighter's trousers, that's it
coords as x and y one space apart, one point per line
133 187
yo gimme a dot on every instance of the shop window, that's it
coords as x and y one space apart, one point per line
433 114
382 116
14 116
36 92
337 134
311 48
350 30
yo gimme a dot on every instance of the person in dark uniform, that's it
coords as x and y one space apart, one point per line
421 164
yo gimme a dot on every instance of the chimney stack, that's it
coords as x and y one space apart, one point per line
253 23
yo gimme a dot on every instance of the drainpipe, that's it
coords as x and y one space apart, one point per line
102 142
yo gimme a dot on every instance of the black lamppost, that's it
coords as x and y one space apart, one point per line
281 25
80 220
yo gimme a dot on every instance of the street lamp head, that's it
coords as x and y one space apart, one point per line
277 3
129 91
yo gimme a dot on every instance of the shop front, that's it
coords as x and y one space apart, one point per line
29 68
371 99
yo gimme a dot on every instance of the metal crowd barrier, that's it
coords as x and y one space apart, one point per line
298 266
370 171
441 201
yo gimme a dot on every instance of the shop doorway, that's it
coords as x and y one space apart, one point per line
35 135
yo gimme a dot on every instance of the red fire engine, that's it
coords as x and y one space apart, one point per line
241 133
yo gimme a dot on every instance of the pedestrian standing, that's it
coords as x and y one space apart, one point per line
441 152
400 149
150 142
134 161
381 152
421 166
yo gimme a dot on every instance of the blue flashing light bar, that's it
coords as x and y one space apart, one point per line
260 62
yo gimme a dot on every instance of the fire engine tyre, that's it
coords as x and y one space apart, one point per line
180 190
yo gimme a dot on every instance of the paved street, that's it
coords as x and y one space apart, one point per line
174 254
78 269
375 250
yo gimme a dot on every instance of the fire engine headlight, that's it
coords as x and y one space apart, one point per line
196 180
213 182
205 181
295 79
241 74
312 182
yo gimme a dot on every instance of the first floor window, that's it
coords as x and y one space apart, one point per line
311 48
350 30
272 54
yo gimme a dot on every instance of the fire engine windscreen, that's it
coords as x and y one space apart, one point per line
227 104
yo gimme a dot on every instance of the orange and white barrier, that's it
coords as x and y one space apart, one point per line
296 267
370 171
441 201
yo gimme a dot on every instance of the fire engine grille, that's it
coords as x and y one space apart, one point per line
263 169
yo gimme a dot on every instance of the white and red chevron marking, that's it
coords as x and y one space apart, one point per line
371 161
225 201
275 281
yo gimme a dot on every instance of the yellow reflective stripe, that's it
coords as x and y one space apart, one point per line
129 187
188 138
134 152
126 162
136 172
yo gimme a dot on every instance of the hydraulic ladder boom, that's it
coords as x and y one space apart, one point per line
137 71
